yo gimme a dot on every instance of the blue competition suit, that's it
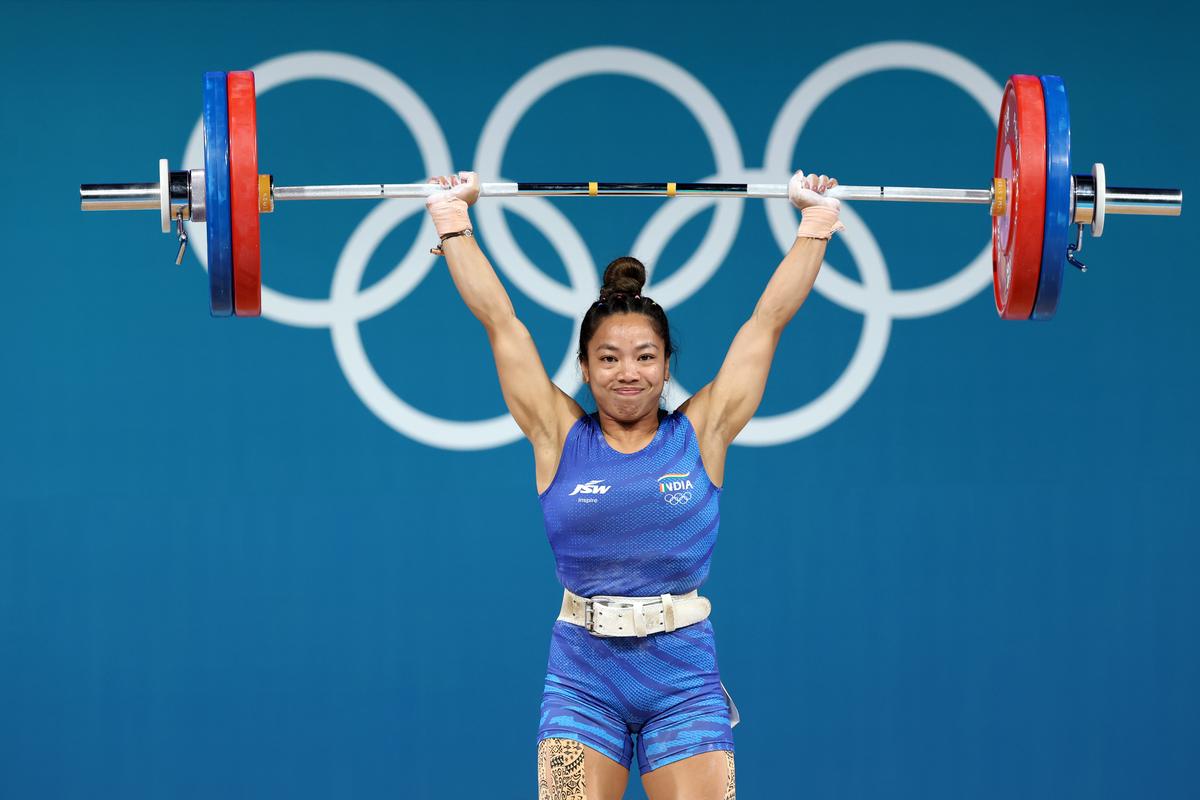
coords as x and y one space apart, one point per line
633 525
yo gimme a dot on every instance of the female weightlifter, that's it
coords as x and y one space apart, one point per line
629 495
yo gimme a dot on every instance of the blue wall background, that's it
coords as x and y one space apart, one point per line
207 538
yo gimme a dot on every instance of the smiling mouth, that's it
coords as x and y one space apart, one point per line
629 391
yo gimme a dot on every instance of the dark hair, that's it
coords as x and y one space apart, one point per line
621 294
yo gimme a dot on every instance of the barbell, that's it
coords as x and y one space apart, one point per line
1033 198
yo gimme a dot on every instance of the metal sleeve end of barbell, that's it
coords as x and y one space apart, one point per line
118 196
174 194
1092 200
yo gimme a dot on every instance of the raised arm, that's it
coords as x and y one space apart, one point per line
542 410
721 409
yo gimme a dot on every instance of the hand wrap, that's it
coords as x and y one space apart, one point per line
819 222
448 208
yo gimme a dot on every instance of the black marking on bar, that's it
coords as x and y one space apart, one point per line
601 188
732 188
552 187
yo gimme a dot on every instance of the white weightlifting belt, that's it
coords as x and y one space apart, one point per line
608 615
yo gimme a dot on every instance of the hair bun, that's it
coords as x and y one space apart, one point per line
625 275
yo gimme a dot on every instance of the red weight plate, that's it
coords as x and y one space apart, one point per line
243 195
1021 162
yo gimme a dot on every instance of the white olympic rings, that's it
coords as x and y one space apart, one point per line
349 304
677 498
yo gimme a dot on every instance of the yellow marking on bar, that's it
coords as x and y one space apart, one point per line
266 201
999 197
670 190
593 189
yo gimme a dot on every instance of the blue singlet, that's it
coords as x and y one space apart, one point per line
636 524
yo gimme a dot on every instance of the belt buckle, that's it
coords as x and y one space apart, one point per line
589 612
587 615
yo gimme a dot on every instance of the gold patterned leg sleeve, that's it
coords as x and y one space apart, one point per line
729 785
560 770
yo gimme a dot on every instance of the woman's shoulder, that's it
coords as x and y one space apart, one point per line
677 422
586 425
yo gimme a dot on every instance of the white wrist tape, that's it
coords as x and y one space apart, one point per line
819 222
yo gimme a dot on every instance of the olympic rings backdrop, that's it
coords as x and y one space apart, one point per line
233 553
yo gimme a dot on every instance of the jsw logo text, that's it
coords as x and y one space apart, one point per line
591 487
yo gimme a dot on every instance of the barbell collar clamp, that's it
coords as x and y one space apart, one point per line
1074 249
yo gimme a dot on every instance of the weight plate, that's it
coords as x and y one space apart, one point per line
1021 162
1058 197
216 194
243 195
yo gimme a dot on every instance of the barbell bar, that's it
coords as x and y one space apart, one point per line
146 196
1033 199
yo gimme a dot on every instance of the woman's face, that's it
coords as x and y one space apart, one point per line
626 367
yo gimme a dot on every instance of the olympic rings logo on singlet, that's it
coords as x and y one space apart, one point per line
677 498
349 304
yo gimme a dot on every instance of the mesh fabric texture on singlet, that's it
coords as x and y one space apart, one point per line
634 524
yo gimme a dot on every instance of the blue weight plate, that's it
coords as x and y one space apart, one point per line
216 194
1058 197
